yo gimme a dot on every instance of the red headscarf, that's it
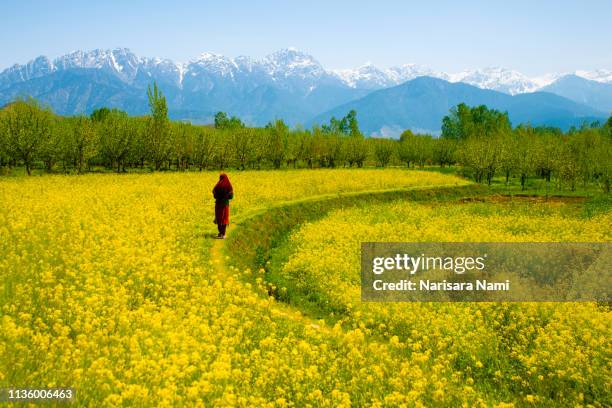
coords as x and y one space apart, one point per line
223 189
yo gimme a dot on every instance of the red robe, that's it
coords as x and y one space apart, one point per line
221 213
223 192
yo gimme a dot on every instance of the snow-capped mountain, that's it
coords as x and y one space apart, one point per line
288 83
421 103
290 62
36 68
366 76
497 79
588 92
369 76
600 75
546 79
211 63
407 72
277 67
120 62
153 68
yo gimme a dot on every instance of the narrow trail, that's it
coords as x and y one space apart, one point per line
222 270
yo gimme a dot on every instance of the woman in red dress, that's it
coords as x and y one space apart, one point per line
223 193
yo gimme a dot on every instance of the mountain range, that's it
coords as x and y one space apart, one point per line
294 86
420 105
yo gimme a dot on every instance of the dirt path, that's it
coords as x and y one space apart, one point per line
222 270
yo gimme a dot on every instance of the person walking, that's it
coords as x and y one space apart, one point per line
223 193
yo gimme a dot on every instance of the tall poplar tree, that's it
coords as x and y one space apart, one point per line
159 127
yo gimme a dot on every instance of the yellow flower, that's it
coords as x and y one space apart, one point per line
108 284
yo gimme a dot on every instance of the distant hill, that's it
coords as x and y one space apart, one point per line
79 91
420 104
592 93
288 84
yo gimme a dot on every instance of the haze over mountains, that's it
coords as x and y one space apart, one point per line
294 86
420 105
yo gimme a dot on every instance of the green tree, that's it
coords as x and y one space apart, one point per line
81 142
335 126
481 132
181 144
407 147
567 165
4 147
416 149
444 151
525 155
51 150
464 121
508 155
459 123
352 126
224 149
261 140
384 150
332 150
586 144
116 136
242 140
28 127
481 155
98 115
602 159
356 150
278 142
305 148
139 150
546 156
608 127
158 142
424 150
222 121
348 125
204 147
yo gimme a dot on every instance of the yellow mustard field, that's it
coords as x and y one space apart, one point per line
108 287
546 354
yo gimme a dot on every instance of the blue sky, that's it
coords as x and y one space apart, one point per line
534 37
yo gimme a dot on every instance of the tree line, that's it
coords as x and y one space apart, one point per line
483 142
480 140
32 136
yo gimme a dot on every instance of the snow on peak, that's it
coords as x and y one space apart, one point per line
120 61
288 64
406 72
214 63
546 79
245 63
496 78
600 75
366 76
290 57
369 76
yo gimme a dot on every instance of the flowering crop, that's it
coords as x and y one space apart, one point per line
511 352
107 287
